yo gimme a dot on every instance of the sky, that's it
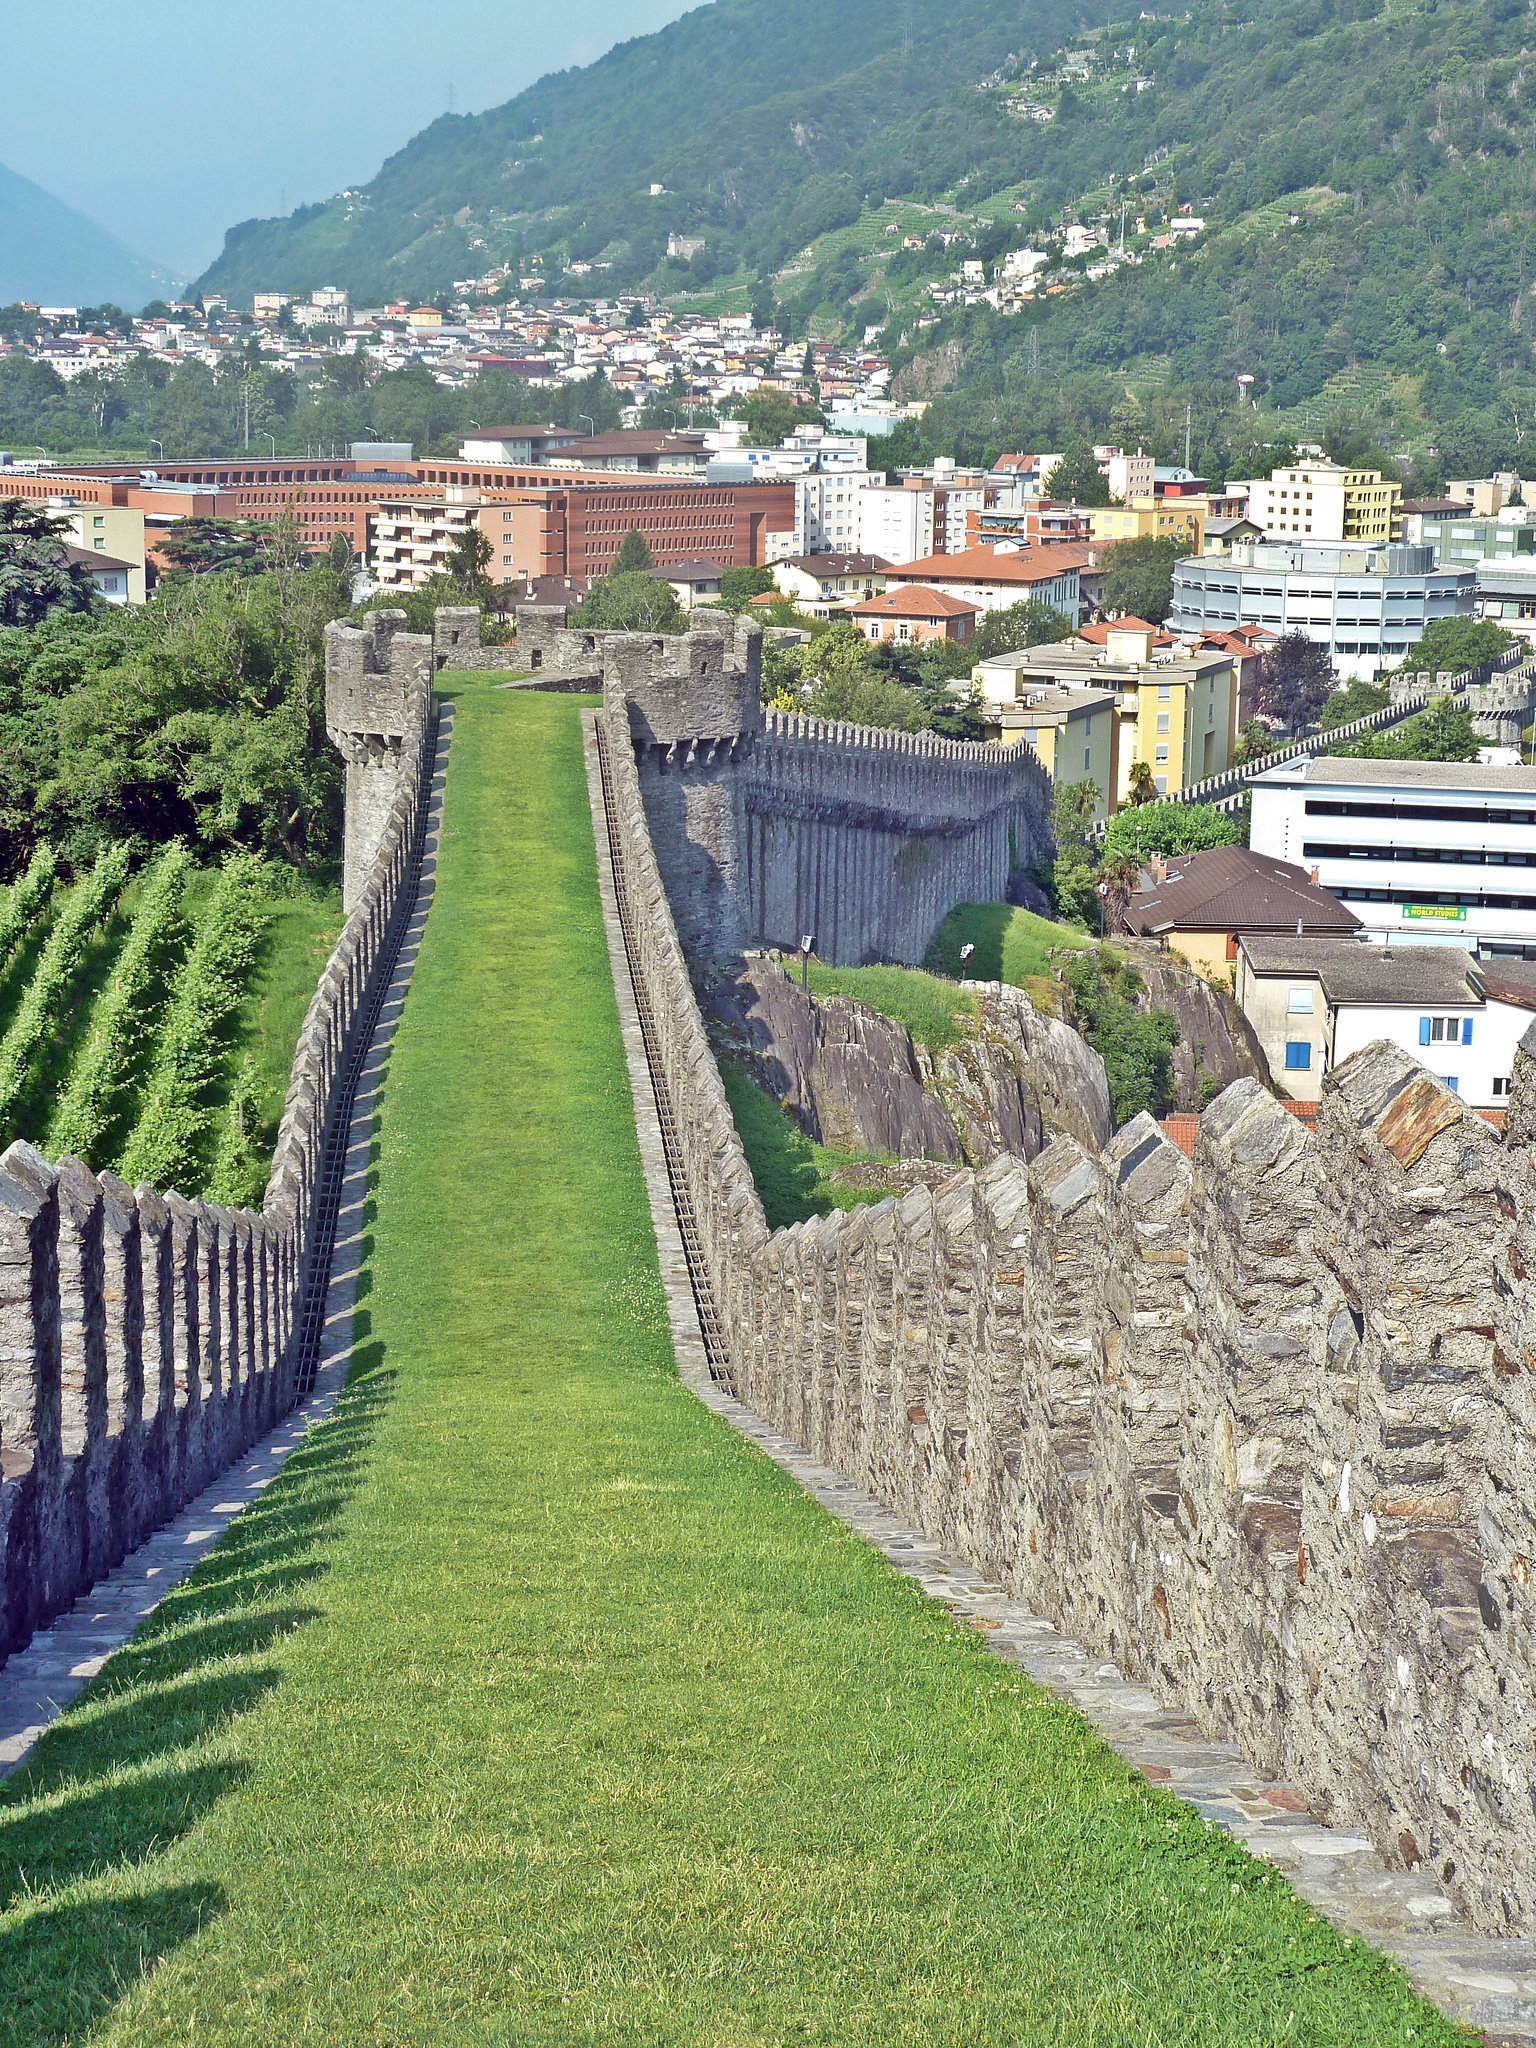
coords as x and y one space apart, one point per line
168 123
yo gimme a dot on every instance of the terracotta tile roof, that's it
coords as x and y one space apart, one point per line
987 565
1233 889
913 601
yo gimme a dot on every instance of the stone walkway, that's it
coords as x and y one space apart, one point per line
1490 1985
37 1683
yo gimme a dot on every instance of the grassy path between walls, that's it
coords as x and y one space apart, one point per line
533 1706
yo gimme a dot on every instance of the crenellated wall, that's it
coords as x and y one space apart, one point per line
771 828
147 1340
1257 1425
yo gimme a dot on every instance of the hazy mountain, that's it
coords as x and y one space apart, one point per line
54 256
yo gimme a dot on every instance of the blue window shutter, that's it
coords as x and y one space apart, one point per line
1298 1054
1466 1030
1423 1031
1453 1084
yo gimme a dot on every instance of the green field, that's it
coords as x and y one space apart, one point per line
533 1705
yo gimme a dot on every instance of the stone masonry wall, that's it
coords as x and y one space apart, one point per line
771 828
147 1340
1257 1425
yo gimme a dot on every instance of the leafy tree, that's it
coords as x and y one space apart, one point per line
1078 479
1030 624
469 556
1135 1045
1253 742
200 547
772 415
1442 732
1448 646
738 587
36 575
1359 700
634 557
1295 680
1141 785
631 601
1138 577
1073 886
1169 828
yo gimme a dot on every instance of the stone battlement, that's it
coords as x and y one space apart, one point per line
1256 1425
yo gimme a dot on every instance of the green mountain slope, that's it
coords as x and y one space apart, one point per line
1364 169
742 111
51 255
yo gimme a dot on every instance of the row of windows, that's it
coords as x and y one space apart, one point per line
1446 856
1451 814
1447 898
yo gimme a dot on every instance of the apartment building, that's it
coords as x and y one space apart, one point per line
824 583
1323 501
1076 733
1177 710
1421 851
1180 519
911 615
110 533
577 530
994 579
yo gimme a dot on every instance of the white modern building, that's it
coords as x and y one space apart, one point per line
1366 604
1313 1003
1422 851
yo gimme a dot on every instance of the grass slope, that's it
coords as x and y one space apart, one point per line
532 1705
793 1173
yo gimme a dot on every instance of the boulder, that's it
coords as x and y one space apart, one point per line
992 1105
1216 1045
1057 1067
848 1075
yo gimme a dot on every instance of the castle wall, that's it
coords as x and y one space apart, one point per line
371 676
147 1341
1257 1425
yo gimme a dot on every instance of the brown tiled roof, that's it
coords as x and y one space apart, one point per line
1233 889
913 601
1509 981
839 565
987 565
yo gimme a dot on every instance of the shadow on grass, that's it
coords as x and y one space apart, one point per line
119 1777
62 1968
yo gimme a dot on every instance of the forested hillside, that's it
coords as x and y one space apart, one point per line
1364 170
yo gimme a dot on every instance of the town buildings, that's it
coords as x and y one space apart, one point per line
911 614
823 583
1325 501
1076 731
1176 709
1419 850
1365 604
1203 905
1313 1003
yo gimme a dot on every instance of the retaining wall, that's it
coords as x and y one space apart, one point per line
1257 1425
147 1340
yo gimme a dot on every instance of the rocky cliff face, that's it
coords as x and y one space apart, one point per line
854 1081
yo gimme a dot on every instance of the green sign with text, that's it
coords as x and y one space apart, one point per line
1447 913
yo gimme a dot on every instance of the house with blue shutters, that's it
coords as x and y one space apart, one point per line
1313 1003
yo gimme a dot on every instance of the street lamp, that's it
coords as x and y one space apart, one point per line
591 424
268 435
806 944
157 444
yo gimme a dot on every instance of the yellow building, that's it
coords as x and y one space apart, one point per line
1178 713
1075 732
1180 519
116 531
1322 501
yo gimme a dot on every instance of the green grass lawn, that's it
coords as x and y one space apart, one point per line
532 1705
1011 944
925 1003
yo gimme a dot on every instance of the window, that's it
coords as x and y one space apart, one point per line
1162 753
1299 1001
1501 1084
1445 1031
1087 759
1298 1055
1162 721
1453 1084
1165 693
